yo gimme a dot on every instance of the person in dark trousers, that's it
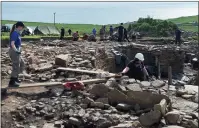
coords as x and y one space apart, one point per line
18 65
111 31
178 37
69 32
62 33
136 69
120 32
125 35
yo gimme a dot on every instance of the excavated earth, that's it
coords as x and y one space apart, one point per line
123 103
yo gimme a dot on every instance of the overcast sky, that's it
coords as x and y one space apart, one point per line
95 12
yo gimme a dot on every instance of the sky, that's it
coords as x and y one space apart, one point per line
95 12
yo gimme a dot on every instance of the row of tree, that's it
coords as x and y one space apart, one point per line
153 27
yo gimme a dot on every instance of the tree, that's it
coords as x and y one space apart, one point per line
129 27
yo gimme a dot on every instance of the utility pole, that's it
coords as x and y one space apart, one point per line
54 18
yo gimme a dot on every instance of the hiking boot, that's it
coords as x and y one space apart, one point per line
13 83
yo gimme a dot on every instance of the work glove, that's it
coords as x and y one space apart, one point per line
18 52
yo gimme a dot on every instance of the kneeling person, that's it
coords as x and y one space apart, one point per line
75 36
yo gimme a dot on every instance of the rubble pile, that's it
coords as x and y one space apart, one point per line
126 103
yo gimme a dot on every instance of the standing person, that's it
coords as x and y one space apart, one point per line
94 31
75 36
18 65
111 31
136 69
69 32
178 37
62 33
125 35
102 33
120 32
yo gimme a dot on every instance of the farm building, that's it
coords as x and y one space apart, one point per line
46 30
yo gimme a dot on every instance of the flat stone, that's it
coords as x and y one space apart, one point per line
33 127
75 121
187 96
19 126
123 125
104 124
123 107
111 82
58 124
131 81
150 118
172 117
173 126
102 100
48 125
97 104
134 87
158 83
145 84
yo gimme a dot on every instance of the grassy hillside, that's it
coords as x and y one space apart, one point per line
185 19
185 23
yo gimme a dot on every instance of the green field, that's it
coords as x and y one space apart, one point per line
186 23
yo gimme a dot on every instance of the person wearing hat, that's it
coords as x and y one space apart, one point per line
136 69
18 65
62 33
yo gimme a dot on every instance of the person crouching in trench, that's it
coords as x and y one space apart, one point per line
136 69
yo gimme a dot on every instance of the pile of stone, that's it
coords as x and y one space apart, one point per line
120 103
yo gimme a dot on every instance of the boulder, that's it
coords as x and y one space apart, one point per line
180 92
162 106
63 60
172 117
134 87
97 105
145 99
115 96
99 90
150 118
111 82
158 83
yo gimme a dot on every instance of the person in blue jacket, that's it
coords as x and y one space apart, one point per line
94 31
15 54
111 31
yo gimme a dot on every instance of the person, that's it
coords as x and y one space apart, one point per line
102 33
62 33
92 37
18 65
136 69
75 36
69 32
85 36
94 31
111 31
120 32
178 37
125 35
